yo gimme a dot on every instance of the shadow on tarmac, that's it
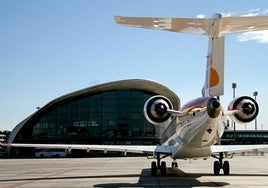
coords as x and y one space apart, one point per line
174 178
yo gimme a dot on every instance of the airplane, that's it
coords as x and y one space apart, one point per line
195 130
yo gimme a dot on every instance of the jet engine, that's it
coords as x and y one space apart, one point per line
213 108
246 107
155 109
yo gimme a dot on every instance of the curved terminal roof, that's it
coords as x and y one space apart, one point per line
139 84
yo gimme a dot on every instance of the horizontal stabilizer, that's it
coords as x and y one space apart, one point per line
216 26
187 25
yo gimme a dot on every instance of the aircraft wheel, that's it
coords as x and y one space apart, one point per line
217 167
226 168
174 165
153 168
163 168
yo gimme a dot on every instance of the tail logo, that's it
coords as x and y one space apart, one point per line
214 78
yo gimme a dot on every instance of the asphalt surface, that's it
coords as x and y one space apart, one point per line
246 171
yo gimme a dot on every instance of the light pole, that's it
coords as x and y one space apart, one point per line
255 93
234 87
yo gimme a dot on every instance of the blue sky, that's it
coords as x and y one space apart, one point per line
50 48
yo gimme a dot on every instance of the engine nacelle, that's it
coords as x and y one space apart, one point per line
248 109
213 108
155 109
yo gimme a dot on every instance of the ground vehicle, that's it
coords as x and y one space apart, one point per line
41 152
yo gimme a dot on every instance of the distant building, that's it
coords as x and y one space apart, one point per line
3 138
110 113
244 137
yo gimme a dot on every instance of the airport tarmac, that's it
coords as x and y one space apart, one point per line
246 171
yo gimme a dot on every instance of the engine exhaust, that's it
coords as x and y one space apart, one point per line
213 107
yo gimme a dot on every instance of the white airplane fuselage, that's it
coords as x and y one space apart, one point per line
194 133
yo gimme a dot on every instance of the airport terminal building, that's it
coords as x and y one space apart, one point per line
110 113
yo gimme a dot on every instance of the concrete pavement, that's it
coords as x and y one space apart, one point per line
246 171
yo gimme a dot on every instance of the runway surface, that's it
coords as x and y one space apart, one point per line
246 171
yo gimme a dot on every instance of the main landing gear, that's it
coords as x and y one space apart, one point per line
155 165
218 165
158 165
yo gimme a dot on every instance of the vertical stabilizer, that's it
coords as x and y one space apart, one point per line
215 68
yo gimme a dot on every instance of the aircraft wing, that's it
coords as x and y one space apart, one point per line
105 148
236 148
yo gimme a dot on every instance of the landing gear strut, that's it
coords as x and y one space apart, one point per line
218 165
158 165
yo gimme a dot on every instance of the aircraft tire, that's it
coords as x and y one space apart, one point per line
226 168
153 168
217 167
163 168
174 165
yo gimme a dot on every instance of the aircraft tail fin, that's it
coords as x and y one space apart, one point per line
214 81
215 28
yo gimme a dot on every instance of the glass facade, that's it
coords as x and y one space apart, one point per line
110 117
245 137
108 113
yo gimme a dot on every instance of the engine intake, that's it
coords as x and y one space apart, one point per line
248 109
155 109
